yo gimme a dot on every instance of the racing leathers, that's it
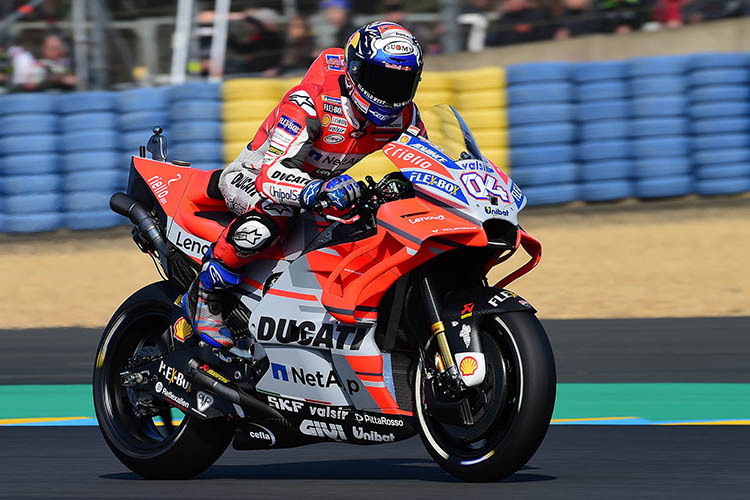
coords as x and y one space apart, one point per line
312 137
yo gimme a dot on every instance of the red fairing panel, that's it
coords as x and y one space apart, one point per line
410 232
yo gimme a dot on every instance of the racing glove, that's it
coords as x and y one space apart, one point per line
340 192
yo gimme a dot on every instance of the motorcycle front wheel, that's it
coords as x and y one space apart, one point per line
157 446
511 409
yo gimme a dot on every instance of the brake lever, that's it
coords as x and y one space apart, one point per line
323 204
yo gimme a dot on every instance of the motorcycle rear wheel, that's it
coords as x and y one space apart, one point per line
154 448
514 412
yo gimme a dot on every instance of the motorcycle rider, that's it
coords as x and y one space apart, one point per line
349 104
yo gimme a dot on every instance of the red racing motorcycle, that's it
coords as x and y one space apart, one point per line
367 328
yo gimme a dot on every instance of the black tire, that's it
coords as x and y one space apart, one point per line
166 452
511 430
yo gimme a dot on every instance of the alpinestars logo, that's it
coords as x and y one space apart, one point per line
322 429
303 100
374 436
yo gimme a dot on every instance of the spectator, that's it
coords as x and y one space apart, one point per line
668 13
575 19
299 51
18 68
695 11
338 24
521 21
56 64
256 41
623 16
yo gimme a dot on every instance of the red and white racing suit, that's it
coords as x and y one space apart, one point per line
312 134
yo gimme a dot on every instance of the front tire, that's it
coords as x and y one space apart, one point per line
154 448
519 396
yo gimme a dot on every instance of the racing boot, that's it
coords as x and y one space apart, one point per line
205 294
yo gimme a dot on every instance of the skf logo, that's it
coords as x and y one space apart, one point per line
468 366
467 311
182 330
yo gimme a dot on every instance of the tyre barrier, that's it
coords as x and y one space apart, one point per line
661 167
607 190
663 187
28 164
74 122
713 187
84 102
646 127
546 174
11 185
605 170
24 124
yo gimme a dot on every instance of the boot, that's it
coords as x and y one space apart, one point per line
214 279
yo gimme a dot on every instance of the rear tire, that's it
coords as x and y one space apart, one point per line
150 450
518 424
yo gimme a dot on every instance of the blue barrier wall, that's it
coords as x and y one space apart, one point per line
647 127
63 155
650 127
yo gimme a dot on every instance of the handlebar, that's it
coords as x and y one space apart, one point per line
391 187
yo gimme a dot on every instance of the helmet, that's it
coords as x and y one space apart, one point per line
383 67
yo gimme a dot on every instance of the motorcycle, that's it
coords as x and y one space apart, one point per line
367 327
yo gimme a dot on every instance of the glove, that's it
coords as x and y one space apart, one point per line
341 192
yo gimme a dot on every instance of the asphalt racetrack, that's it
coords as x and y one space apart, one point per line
575 461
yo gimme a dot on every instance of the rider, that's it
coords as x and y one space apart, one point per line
349 104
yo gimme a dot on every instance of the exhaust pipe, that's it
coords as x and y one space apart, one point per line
248 403
124 205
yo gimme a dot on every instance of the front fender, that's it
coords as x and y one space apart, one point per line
463 314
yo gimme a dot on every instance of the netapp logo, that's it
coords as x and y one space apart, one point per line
316 379
307 333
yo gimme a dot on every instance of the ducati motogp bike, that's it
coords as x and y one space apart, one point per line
364 328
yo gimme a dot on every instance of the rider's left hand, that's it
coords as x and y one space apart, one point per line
340 192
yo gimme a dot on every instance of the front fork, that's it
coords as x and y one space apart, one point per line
437 327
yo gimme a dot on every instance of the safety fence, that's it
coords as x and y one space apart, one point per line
647 128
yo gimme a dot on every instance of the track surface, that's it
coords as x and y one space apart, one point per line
625 350
612 462
573 463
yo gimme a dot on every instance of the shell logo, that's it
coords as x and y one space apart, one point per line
326 120
468 366
182 330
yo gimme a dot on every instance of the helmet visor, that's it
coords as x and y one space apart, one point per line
385 86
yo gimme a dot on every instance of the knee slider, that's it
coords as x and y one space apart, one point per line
252 232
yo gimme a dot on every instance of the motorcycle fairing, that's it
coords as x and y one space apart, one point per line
355 276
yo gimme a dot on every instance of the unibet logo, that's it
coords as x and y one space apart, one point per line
322 429
374 436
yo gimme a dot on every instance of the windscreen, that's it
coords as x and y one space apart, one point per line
446 128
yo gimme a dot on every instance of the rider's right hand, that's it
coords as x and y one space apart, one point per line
340 192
